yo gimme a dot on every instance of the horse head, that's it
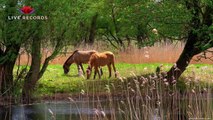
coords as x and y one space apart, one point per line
66 69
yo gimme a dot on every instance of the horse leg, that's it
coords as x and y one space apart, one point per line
99 75
78 68
109 68
101 71
82 68
95 72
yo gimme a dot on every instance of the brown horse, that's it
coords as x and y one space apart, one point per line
101 59
78 57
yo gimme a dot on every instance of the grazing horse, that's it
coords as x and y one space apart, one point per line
101 59
78 57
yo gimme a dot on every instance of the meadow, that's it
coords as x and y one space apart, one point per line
132 61
55 81
138 93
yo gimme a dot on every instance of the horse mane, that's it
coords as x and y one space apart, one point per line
70 58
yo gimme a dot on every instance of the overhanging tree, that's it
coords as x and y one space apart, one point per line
199 36
13 33
183 20
35 34
52 33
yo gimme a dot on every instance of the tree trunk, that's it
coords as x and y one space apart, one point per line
180 66
1 70
116 37
1 77
189 51
7 77
93 29
128 41
6 68
33 74
8 56
197 42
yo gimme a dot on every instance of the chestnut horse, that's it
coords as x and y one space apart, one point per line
78 57
101 59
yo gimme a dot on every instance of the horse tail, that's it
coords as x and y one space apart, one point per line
68 62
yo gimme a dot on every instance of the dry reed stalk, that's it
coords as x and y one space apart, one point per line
159 53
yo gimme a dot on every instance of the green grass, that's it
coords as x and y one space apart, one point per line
54 80
190 97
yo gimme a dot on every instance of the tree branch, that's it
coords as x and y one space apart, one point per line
58 47
168 37
110 41
205 56
1 52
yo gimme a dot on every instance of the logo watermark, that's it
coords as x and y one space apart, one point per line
26 12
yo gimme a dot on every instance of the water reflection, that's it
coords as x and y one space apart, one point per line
54 110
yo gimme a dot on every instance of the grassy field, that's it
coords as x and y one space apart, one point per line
54 80
136 94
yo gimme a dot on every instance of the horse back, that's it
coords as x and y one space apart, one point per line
105 58
83 56
108 55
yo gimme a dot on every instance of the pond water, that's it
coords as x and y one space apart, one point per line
110 109
60 110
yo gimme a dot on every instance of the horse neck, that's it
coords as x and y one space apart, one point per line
69 61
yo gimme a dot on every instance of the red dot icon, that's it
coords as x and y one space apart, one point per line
27 10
